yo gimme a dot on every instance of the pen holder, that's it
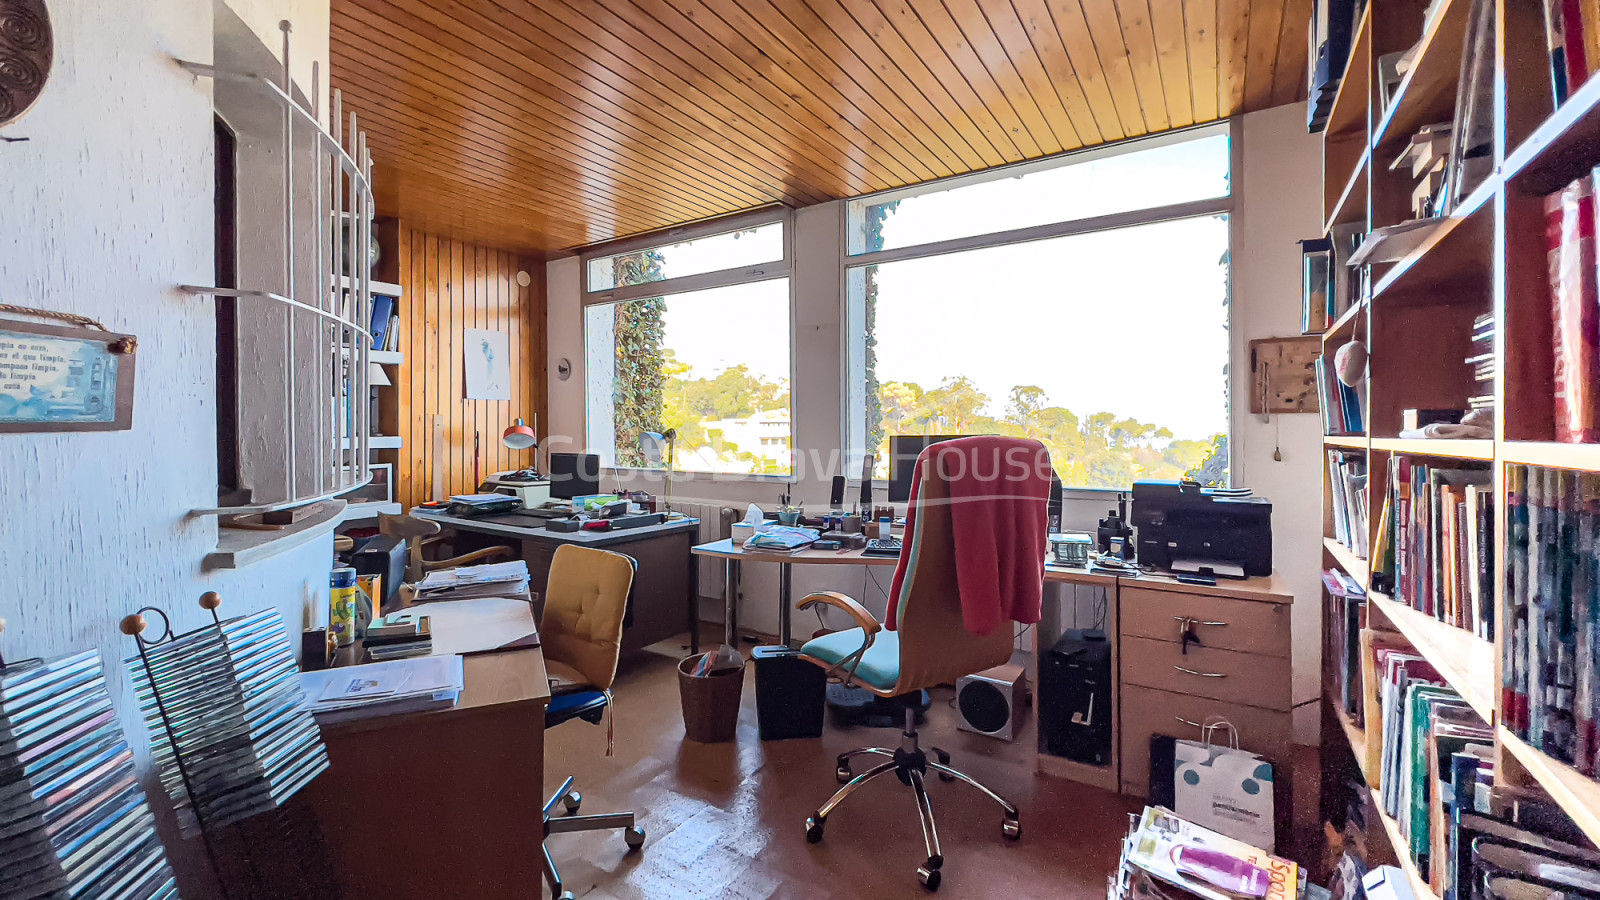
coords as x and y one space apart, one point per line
789 517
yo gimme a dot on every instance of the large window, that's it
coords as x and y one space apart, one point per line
693 336
1070 303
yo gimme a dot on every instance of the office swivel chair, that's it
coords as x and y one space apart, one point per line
930 647
581 634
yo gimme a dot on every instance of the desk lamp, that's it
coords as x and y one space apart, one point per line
518 436
653 443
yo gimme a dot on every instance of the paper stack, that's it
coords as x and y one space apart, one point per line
507 579
383 689
1165 857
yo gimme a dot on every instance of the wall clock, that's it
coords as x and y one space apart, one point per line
26 50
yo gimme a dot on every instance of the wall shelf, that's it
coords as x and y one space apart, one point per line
1552 453
381 442
1347 441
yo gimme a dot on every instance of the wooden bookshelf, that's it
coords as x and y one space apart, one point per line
1487 256
1391 829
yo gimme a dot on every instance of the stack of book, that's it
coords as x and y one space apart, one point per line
73 817
225 700
1550 678
1346 601
1435 548
401 640
1347 481
1340 403
1483 362
1167 857
1572 38
1574 310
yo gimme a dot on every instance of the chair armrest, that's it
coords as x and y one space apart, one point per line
486 553
850 607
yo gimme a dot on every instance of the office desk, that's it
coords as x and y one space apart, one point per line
665 599
443 803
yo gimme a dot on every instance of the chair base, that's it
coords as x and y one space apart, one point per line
911 765
571 822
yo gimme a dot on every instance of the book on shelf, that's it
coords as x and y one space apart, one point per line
382 316
1575 310
1572 40
1346 616
1340 404
1440 523
1347 482
1550 678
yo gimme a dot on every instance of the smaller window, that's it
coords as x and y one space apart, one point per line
696 256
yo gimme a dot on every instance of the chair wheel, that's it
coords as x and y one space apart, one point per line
944 760
814 825
930 878
572 801
843 774
1012 828
567 895
634 836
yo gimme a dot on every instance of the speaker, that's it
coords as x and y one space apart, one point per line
836 496
991 701
1075 697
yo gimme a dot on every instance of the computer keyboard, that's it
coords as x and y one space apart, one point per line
882 547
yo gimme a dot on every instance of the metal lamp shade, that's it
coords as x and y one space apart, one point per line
519 436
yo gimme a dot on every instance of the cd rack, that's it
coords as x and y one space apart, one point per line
232 741
74 821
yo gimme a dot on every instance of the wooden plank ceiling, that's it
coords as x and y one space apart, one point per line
541 125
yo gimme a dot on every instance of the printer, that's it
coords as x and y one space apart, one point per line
526 485
1184 527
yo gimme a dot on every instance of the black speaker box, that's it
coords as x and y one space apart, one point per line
1075 697
789 694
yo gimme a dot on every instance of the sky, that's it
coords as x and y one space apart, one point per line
1129 321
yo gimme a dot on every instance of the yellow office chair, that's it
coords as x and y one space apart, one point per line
585 601
930 647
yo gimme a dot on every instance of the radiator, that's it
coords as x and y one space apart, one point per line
715 524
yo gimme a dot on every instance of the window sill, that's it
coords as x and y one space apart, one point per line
239 547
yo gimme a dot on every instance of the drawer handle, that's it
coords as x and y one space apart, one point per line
1190 620
1201 674
1187 722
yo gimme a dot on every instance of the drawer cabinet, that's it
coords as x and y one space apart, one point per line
1244 678
1225 623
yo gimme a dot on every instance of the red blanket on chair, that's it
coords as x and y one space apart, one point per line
999 492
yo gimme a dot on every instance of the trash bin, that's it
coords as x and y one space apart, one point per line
710 702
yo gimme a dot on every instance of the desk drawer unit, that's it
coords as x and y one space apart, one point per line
1147 712
1224 623
1245 678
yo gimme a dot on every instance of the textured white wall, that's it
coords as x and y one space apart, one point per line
104 209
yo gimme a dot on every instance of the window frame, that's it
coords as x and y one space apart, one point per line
1225 205
748 274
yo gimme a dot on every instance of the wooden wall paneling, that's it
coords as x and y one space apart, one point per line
1266 23
1172 58
1139 37
897 24
1233 46
1102 81
1200 24
1047 75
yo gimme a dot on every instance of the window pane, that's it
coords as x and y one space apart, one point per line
1111 348
1192 170
763 243
712 364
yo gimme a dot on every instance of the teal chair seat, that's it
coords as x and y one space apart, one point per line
880 665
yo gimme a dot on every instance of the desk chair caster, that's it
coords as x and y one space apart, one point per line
571 801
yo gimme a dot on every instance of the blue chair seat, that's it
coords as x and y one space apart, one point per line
880 665
588 705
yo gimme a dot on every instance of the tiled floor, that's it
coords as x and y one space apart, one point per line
727 820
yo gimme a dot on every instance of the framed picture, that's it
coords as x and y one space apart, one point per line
64 378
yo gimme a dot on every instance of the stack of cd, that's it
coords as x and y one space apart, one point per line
73 818
229 732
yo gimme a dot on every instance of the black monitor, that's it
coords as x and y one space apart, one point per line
574 475
903 452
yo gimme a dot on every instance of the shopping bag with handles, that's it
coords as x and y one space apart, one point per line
1223 788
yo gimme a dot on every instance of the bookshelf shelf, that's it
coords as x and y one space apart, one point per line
1427 94
1391 829
1347 116
1347 441
1562 147
1552 453
1456 449
1344 321
1452 265
1352 203
1576 793
1353 565
1464 660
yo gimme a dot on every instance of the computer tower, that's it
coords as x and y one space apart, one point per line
789 694
1075 697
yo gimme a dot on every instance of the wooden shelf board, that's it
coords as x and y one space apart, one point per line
1464 660
1391 828
1348 114
1456 255
1563 147
1347 441
1449 449
1427 94
378 288
368 510
1553 454
1354 566
1574 792
1344 320
380 442
1346 210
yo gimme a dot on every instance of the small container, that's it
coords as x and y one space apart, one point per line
789 517
742 531
342 606
885 528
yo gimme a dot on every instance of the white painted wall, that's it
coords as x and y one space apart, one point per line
104 209
1278 203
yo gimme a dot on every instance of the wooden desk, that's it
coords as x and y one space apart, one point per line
666 589
443 803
